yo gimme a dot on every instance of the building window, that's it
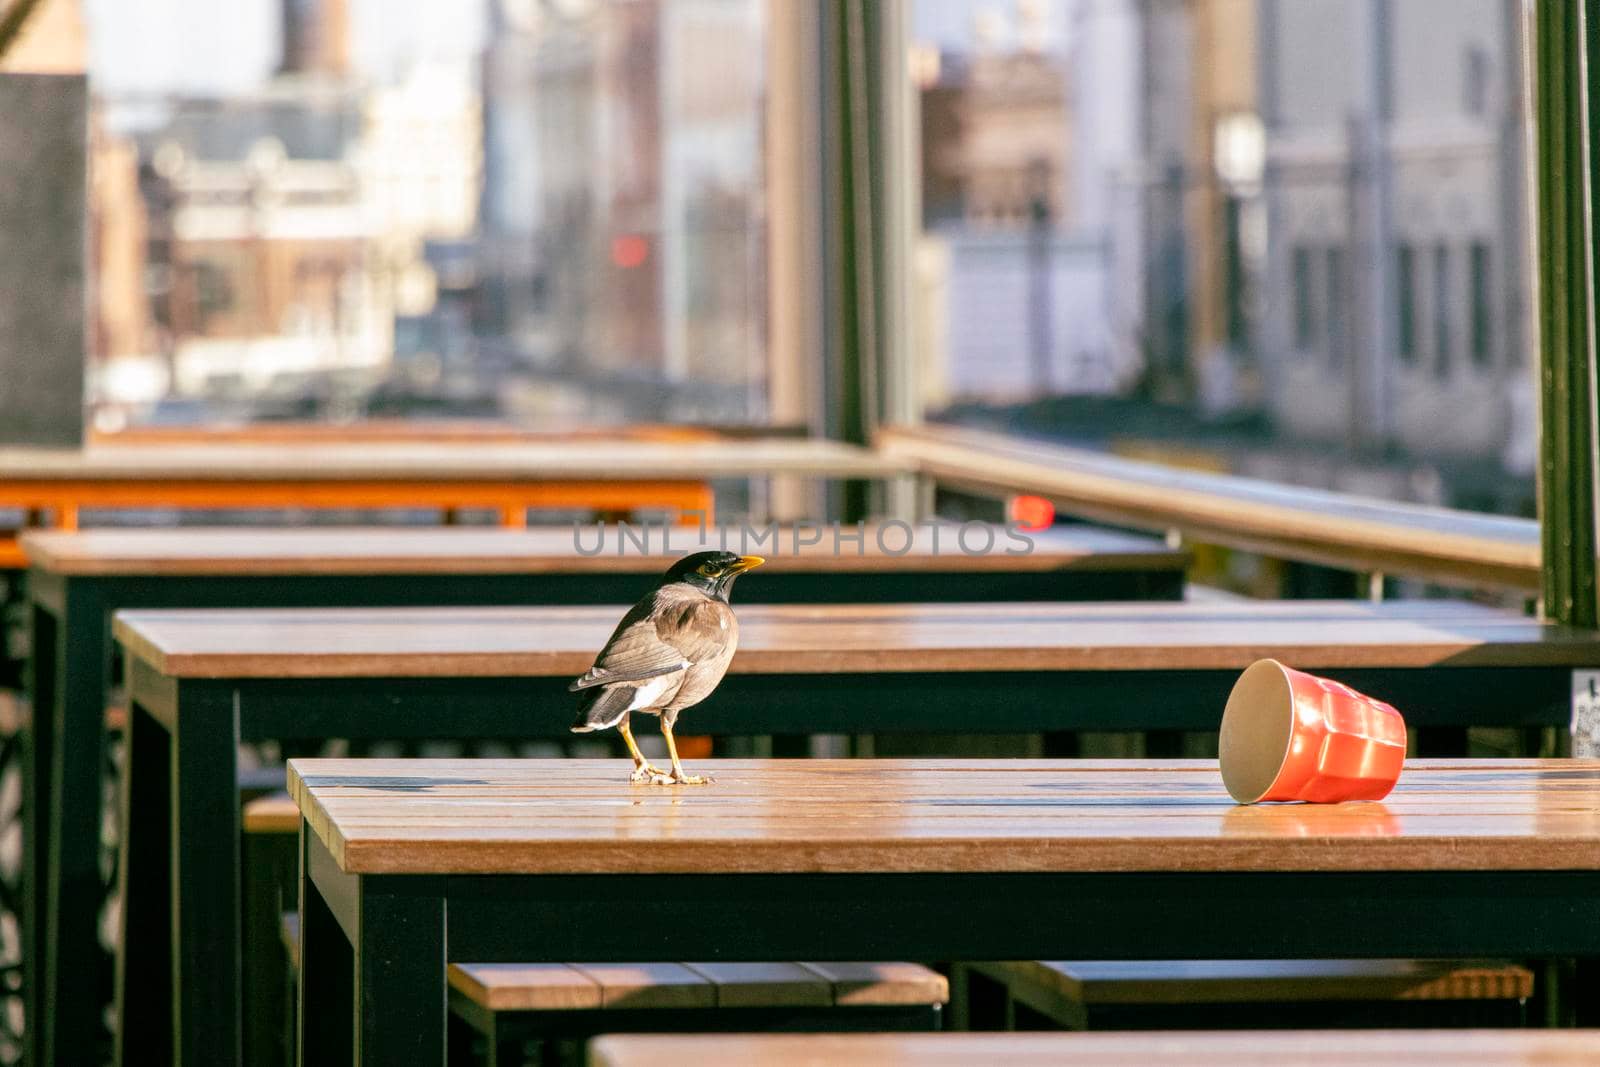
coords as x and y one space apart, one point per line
1336 308
1442 341
1305 310
1406 301
1475 81
1478 266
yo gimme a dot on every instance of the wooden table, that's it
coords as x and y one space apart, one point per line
410 864
78 579
859 668
202 681
1254 1048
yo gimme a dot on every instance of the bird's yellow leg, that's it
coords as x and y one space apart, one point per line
642 771
678 775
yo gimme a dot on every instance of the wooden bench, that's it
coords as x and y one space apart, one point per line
1375 1048
1222 994
510 1005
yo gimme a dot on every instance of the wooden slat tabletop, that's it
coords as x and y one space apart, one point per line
607 460
804 639
893 816
1256 1048
569 550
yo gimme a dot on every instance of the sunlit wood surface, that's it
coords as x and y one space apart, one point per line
1333 1048
580 986
1271 981
1336 529
601 459
508 477
587 548
472 430
795 639
891 816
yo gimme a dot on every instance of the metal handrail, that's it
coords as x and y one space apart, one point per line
1363 534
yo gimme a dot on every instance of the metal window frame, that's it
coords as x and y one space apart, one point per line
1564 98
868 227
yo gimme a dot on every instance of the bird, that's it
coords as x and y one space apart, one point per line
668 653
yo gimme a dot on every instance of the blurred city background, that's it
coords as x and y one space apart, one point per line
1283 238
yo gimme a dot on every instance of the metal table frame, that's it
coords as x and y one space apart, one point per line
180 850
374 948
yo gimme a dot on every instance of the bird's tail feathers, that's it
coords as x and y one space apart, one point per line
603 708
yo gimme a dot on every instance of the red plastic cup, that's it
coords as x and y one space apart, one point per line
1289 735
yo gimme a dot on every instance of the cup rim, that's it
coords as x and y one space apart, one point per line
1257 731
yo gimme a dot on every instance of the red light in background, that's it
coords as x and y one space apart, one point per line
1033 513
629 251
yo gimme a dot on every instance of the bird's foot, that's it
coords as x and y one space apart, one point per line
679 778
646 773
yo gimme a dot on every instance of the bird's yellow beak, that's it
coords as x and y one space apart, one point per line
746 563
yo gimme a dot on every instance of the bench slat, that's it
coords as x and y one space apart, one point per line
526 986
274 813
1242 981
766 985
649 985
1079 983
883 983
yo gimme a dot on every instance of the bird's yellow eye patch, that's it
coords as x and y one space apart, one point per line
708 569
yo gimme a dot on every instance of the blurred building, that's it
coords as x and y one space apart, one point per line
513 294
261 247
262 253
1013 274
420 160
316 37
1196 195
631 260
1394 180
120 314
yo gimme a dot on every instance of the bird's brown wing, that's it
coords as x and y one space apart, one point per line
661 634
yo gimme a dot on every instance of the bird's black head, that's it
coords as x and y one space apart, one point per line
713 572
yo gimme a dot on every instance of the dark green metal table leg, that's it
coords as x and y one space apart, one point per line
37 761
144 964
205 882
1443 741
74 961
269 869
462 1040
505 1050
327 972
401 1003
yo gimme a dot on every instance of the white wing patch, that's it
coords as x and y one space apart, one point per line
651 691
